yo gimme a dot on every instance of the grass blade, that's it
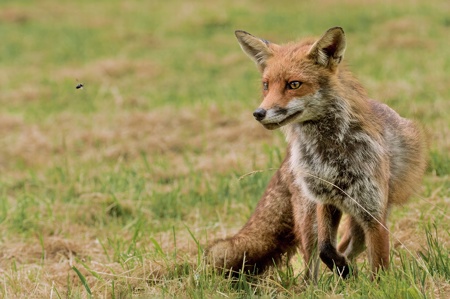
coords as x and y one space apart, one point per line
83 280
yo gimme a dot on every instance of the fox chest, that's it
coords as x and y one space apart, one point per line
330 175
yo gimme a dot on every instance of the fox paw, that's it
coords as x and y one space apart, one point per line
335 261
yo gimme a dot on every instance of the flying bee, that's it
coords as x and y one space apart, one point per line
79 85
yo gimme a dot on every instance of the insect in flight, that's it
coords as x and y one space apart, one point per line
79 85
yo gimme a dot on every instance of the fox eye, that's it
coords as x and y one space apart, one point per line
294 84
265 85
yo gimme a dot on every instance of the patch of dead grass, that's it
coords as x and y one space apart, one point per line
14 15
110 69
52 250
27 93
40 269
212 140
48 266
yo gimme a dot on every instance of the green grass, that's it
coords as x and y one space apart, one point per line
116 188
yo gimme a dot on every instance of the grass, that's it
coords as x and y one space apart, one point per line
114 190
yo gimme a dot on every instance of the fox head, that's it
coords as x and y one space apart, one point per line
293 75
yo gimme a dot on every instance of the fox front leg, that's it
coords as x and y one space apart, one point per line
328 218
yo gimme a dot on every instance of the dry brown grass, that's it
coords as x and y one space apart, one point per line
221 140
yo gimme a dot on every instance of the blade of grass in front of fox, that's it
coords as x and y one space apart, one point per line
254 172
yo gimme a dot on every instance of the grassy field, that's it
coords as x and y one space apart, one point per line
113 190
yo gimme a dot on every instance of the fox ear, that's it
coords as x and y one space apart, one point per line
257 49
329 49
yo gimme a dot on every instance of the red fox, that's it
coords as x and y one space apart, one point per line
346 154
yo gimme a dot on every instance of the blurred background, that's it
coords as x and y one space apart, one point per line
152 150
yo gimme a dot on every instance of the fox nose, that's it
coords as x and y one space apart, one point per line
259 114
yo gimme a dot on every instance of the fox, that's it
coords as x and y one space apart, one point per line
346 154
